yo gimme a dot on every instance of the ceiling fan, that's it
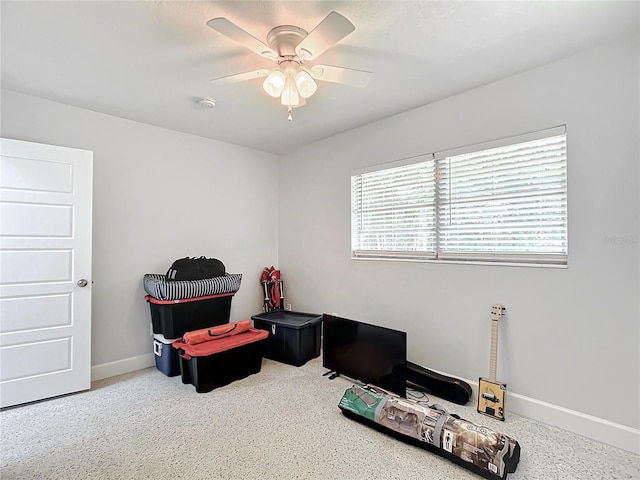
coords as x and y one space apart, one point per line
291 47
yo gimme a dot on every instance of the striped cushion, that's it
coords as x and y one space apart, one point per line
159 287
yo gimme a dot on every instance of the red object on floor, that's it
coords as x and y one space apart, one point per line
217 332
271 280
220 344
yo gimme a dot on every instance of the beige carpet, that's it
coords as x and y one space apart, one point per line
282 423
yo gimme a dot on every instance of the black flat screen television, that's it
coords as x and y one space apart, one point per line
364 352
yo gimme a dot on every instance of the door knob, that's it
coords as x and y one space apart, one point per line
82 283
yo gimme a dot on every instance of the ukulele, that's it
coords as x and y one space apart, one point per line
491 394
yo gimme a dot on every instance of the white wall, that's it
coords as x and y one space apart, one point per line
158 195
570 339
569 343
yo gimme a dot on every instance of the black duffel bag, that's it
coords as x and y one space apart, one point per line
195 269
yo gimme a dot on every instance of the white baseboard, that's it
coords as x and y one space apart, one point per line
589 426
611 433
120 367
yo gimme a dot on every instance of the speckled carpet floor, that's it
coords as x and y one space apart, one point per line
282 423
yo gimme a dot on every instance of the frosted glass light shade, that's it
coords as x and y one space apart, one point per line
274 83
290 96
306 85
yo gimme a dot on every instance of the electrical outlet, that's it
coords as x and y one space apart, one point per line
287 306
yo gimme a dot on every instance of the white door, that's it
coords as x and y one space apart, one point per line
45 259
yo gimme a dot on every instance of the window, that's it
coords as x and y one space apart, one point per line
502 201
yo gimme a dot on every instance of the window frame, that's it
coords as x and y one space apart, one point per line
559 259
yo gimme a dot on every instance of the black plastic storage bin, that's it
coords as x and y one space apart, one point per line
173 318
294 337
208 365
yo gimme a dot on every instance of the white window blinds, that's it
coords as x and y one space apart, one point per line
504 203
393 212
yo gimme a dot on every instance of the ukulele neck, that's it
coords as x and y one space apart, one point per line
493 358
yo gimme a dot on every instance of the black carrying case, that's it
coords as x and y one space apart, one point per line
443 386
395 416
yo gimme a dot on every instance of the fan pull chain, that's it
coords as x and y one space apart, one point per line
289 117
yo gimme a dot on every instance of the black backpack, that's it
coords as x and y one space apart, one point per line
195 269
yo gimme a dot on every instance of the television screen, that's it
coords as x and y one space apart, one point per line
364 352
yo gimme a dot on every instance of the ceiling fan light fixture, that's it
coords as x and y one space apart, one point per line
274 83
306 85
291 46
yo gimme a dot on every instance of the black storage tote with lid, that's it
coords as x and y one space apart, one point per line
294 337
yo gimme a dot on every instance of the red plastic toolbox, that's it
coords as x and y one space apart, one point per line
221 361
173 318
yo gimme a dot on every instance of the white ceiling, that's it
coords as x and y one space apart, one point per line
150 61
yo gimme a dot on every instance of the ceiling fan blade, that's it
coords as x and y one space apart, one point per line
346 76
241 77
244 38
333 28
